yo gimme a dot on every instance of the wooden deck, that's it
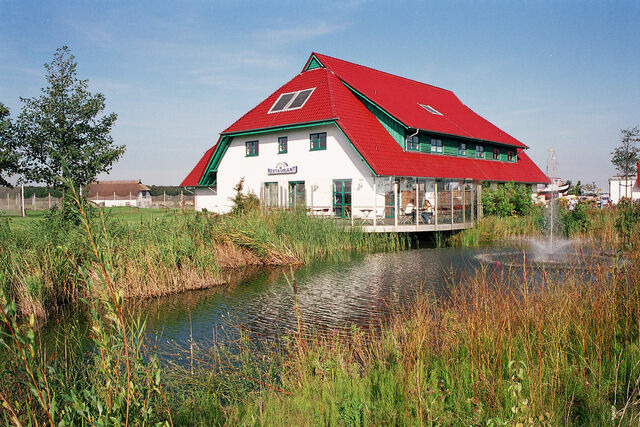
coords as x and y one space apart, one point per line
413 228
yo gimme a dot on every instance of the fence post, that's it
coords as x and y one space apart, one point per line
33 200
395 202
375 204
435 190
114 195
49 199
451 201
22 199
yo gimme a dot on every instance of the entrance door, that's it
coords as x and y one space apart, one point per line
270 194
297 196
342 198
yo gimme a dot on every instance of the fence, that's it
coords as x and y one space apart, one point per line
10 201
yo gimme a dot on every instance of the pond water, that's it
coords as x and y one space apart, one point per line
360 290
357 290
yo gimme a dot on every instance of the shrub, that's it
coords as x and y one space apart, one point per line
508 199
243 202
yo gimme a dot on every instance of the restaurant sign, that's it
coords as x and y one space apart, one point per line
282 168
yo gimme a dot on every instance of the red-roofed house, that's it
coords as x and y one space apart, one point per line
348 140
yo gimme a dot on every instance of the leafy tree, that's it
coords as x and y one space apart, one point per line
65 125
626 155
8 155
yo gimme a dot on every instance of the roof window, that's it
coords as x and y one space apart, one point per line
291 100
430 109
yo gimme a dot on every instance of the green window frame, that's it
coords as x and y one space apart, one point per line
496 154
318 141
462 149
436 145
283 144
480 151
297 194
251 148
342 198
413 143
511 156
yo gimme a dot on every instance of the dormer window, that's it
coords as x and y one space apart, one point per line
430 109
291 100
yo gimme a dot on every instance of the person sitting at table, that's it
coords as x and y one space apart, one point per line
409 210
427 211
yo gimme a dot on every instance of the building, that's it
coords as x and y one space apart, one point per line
628 186
119 193
350 141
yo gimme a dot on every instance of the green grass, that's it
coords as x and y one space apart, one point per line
158 251
499 349
491 353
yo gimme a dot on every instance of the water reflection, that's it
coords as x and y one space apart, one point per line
331 295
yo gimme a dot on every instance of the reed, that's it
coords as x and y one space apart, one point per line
498 350
160 255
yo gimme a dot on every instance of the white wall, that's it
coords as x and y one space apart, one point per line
623 187
317 169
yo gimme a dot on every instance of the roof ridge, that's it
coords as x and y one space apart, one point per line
380 71
331 94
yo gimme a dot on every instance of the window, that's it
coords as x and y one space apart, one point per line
342 198
252 148
436 146
480 151
282 144
270 194
511 156
430 109
413 143
318 141
462 149
496 154
296 194
291 100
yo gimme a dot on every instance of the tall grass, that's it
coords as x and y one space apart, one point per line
497 351
159 256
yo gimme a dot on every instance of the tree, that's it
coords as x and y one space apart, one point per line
8 155
626 155
65 125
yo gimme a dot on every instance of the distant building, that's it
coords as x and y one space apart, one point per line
119 193
620 187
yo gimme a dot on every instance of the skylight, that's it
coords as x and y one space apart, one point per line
291 100
430 109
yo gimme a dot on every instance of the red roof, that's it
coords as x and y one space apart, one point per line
196 173
333 100
402 97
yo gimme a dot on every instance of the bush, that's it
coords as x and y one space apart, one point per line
243 202
508 199
575 220
627 219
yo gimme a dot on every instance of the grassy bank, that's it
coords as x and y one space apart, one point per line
493 352
614 228
158 253
504 347
490 354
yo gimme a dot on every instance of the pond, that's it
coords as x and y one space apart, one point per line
359 290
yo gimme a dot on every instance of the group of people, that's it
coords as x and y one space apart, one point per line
426 211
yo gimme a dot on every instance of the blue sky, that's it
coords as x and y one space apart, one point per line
561 75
